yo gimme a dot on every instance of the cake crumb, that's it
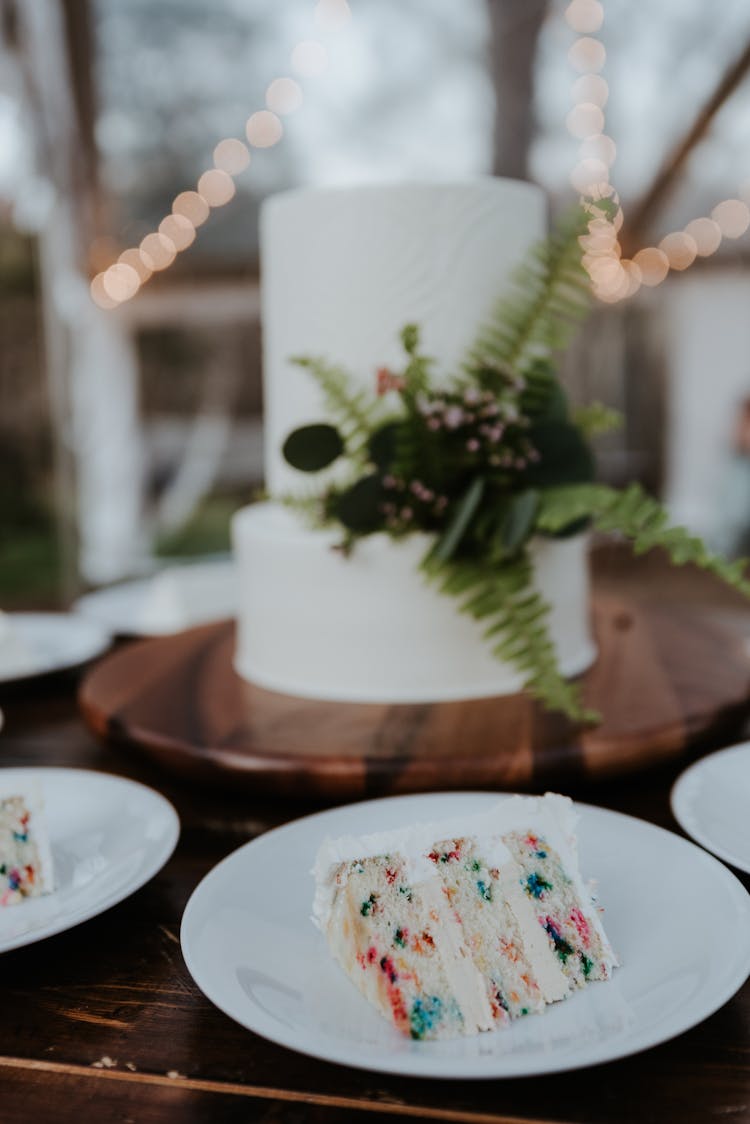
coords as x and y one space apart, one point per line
130 1066
104 1063
174 1074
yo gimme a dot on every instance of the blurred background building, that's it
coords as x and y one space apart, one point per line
131 433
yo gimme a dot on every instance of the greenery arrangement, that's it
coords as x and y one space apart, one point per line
485 460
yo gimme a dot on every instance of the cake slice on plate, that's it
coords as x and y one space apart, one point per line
25 857
450 929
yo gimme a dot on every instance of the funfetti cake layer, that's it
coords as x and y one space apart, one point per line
25 857
459 927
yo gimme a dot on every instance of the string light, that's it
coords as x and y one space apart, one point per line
121 280
612 277
263 129
231 156
216 187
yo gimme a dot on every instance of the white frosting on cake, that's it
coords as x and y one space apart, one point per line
342 272
344 269
551 814
369 627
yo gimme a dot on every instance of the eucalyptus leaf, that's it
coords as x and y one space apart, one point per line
358 507
519 520
465 510
313 447
382 445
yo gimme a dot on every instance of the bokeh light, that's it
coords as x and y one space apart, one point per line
120 282
707 236
216 187
584 16
157 251
99 295
263 129
732 217
179 230
585 120
283 96
231 156
591 87
599 147
193 206
680 249
587 55
309 58
653 264
589 176
133 258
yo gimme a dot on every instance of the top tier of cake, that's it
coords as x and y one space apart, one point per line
344 270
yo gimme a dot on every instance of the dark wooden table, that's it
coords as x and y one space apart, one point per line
103 1023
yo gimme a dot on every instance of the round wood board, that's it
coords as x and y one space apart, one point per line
667 674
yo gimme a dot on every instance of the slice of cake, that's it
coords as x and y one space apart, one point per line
455 928
25 857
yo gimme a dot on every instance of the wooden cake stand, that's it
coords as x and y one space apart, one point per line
668 673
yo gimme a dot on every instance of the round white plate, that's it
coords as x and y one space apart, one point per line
711 802
50 642
677 918
177 597
108 836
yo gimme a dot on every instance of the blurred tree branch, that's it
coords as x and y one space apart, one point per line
514 27
641 216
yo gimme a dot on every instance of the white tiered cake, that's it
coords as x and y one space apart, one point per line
343 270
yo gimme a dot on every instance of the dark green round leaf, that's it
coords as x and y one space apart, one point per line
359 507
382 445
313 447
554 407
564 456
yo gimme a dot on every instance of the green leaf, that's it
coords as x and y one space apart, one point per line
555 407
464 512
410 338
383 445
358 507
518 521
596 418
313 447
564 456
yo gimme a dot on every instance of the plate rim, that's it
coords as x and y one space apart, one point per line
391 1066
699 837
101 642
113 899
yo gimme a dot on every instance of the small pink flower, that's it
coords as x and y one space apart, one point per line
387 380
472 445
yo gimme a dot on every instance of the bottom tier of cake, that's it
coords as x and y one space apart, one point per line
368 627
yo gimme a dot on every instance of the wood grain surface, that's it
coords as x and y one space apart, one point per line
668 674
104 1024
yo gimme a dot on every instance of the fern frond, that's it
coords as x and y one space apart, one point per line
356 412
595 419
516 620
550 294
639 518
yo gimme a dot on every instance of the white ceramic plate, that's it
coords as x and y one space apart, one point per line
175 598
49 642
711 802
108 836
250 946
